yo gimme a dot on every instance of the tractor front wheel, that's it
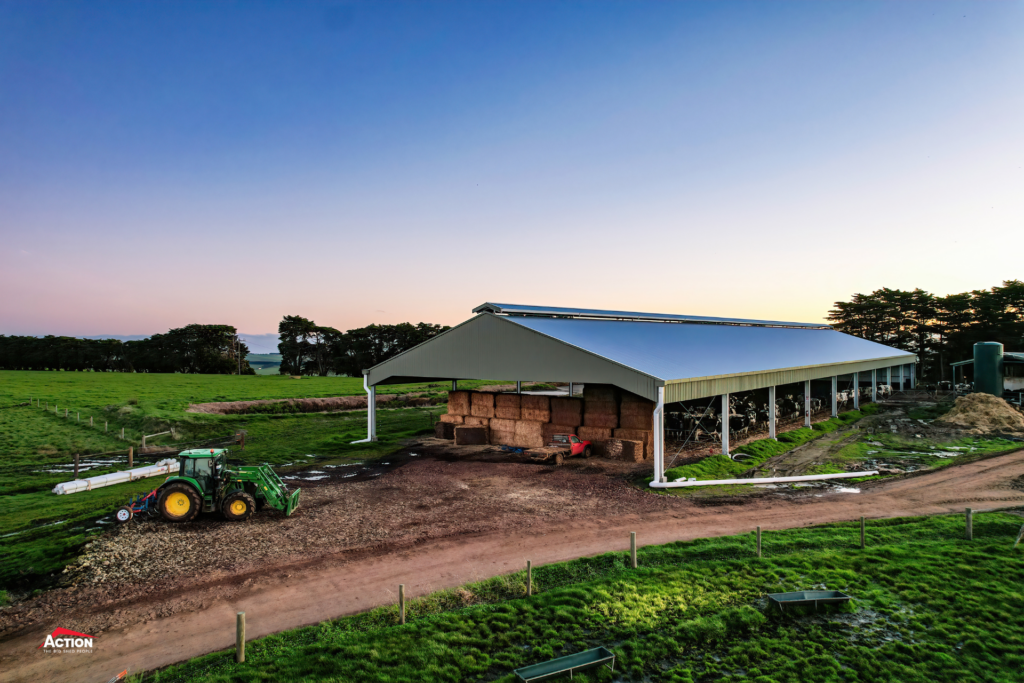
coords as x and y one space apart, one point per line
124 514
238 507
179 503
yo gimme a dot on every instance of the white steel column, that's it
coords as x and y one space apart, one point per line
725 425
659 437
519 386
888 377
835 390
771 412
807 403
901 377
570 388
856 391
371 411
455 385
913 375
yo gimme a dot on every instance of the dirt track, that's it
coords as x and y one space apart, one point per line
429 524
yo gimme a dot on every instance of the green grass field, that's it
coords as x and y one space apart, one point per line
928 606
42 532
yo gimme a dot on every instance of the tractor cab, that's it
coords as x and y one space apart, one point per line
205 466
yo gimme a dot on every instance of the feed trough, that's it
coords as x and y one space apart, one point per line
808 598
588 659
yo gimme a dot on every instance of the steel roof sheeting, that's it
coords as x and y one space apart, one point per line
553 311
691 360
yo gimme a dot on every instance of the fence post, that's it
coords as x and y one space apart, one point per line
240 637
401 603
90 420
759 541
862 536
632 548
105 424
529 578
131 457
76 465
969 514
78 416
122 433
65 413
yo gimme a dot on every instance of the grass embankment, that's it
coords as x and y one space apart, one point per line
41 531
929 606
721 467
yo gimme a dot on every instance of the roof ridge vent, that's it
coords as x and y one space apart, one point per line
631 316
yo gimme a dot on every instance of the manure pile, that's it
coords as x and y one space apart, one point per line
984 413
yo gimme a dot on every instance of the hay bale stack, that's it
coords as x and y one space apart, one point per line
636 413
567 411
594 434
444 430
644 436
644 422
550 429
601 414
528 434
622 449
452 419
459 403
470 436
508 406
503 432
482 405
600 392
472 421
536 409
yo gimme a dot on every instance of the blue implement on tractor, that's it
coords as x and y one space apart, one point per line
139 503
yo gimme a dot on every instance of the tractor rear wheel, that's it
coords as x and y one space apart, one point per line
179 503
238 507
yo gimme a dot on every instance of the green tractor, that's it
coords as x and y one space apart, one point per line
206 483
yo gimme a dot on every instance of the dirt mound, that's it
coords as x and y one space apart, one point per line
984 413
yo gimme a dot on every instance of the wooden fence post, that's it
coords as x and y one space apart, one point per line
76 465
240 637
65 413
122 433
969 515
529 578
632 548
401 603
131 457
759 541
90 420
863 544
105 425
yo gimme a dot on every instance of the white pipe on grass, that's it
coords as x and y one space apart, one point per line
168 466
767 480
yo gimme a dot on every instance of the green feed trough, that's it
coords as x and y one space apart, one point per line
588 659
808 598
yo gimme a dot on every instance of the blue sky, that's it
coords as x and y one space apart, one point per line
172 162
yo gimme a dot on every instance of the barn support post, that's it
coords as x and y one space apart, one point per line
571 388
519 386
835 398
901 377
913 375
856 391
874 386
888 377
455 385
807 403
725 425
659 436
771 412
371 410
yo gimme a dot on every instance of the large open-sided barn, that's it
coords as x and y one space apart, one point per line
649 359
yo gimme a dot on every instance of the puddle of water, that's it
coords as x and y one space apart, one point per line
843 489
316 478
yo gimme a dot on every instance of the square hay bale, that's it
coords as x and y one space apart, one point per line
636 408
472 421
482 405
503 438
470 436
594 434
528 434
458 403
550 429
606 420
566 411
452 419
600 408
508 406
647 437
536 409
632 450
600 392
444 430
644 422
502 425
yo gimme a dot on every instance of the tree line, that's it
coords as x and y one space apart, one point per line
309 349
193 349
939 329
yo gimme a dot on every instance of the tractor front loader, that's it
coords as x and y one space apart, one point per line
206 483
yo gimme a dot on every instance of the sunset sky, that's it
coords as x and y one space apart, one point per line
164 163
